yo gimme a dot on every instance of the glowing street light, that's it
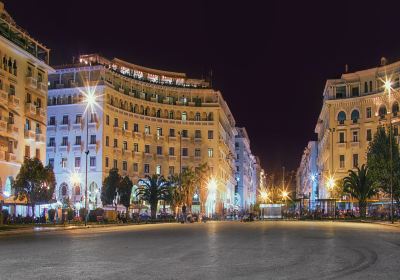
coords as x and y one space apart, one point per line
330 183
285 194
264 195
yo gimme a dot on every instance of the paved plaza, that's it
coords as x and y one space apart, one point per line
215 250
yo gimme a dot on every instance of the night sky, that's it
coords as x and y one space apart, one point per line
270 60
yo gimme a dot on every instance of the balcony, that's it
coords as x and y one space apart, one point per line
41 113
63 148
136 154
51 128
29 134
117 151
117 130
13 101
171 138
197 158
3 125
185 138
197 139
148 136
3 97
63 126
51 149
11 157
31 82
137 134
172 157
92 147
42 87
30 109
76 126
127 133
40 137
126 153
92 123
13 129
148 156
342 145
355 144
2 155
77 148
160 138
160 156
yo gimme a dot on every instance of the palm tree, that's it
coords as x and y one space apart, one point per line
188 179
152 189
202 176
175 196
359 186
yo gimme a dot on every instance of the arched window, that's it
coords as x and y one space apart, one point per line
382 111
395 108
171 115
158 114
341 117
370 85
355 115
63 189
210 116
77 189
197 117
365 87
184 116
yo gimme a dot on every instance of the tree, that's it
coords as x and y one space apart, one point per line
125 191
359 186
202 176
379 164
188 182
110 185
34 182
175 195
152 189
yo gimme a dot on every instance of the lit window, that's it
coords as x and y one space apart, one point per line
158 169
92 161
146 168
124 166
210 152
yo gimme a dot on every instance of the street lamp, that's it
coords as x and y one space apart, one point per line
330 184
388 87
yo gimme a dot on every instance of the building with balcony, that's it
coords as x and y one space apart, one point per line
353 107
307 176
146 121
247 172
24 68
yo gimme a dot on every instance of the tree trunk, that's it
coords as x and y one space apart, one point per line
33 212
153 210
362 205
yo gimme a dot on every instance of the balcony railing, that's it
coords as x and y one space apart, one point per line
13 101
11 157
29 134
31 82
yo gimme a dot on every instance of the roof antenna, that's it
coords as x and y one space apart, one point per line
346 68
383 61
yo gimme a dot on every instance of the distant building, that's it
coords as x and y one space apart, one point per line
307 175
24 66
146 121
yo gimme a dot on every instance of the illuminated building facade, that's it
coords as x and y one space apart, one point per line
307 175
24 67
146 122
353 107
247 171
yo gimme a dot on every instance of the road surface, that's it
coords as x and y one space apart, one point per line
215 250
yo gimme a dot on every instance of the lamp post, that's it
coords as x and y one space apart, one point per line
388 88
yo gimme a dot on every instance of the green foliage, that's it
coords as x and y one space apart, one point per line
110 185
359 186
125 191
82 213
35 182
70 214
4 214
379 164
152 189
52 214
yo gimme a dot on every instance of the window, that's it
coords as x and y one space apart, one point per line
158 169
171 151
124 166
197 117
197 134
210 134
135 167
341 161
147 149
77 162
125 125
52 142
395 108
92 139
369 134
341 117
159 131
78 119
340 91
369 112
184 152
147 130
52 120
64 162
355 136
146 168
355 160
115 143
355 115
365 87
77 140
51 162
159 150
341 137
171 115
107 161
27 124
171 170
27 151
115 122
382 111
370 86
172 132
65 119
125 145
355 91
135 147
197 152
92 161
210 152
115 164
184 116
184 133
135 127
107 141
64 141
107 120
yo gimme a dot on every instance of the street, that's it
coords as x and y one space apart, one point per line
215 250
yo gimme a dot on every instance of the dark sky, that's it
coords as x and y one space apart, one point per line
270 59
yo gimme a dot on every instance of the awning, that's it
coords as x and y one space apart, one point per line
11 201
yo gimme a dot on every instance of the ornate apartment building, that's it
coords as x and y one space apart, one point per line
307 174
24 66
145 121
353 106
